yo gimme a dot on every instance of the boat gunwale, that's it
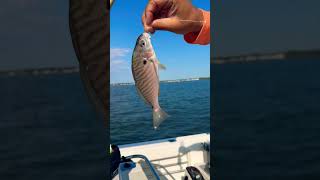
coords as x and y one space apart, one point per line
172 140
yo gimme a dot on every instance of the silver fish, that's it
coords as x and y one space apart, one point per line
145 73
89 37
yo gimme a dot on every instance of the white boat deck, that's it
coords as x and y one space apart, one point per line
169 157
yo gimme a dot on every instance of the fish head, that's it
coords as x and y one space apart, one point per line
144 46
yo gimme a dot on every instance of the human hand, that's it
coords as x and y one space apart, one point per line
178 16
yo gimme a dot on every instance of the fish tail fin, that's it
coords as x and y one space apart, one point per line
158 117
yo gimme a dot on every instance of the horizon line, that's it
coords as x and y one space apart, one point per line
166 80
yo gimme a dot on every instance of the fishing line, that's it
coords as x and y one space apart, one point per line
187 20
191 20
181 20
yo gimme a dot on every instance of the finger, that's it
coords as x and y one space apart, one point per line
143 19
149 12
169 24
153 7
147 28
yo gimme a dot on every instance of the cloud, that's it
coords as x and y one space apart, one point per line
120 70
119 52
119 59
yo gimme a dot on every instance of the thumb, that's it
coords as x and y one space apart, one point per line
169 24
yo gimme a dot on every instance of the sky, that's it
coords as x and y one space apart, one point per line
35 34
181 59
248 26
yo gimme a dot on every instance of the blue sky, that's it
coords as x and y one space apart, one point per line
249 26
39 36
182 60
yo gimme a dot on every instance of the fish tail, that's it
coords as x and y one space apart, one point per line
158 117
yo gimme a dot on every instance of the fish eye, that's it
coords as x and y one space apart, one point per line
142 43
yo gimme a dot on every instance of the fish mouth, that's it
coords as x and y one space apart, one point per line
147 35
144 36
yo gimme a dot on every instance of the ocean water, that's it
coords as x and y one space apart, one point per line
187 103
49 130
267 120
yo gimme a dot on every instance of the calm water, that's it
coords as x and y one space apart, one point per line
188 104
267 120
48 130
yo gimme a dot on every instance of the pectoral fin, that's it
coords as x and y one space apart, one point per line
162 67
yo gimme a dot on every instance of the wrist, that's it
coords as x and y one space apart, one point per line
201 37
198 20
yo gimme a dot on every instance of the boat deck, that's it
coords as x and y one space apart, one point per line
171 156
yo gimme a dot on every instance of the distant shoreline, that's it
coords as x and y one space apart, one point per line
244 58
256 57
40 71
165 81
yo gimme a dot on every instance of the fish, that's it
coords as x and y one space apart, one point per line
145 70
89 24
